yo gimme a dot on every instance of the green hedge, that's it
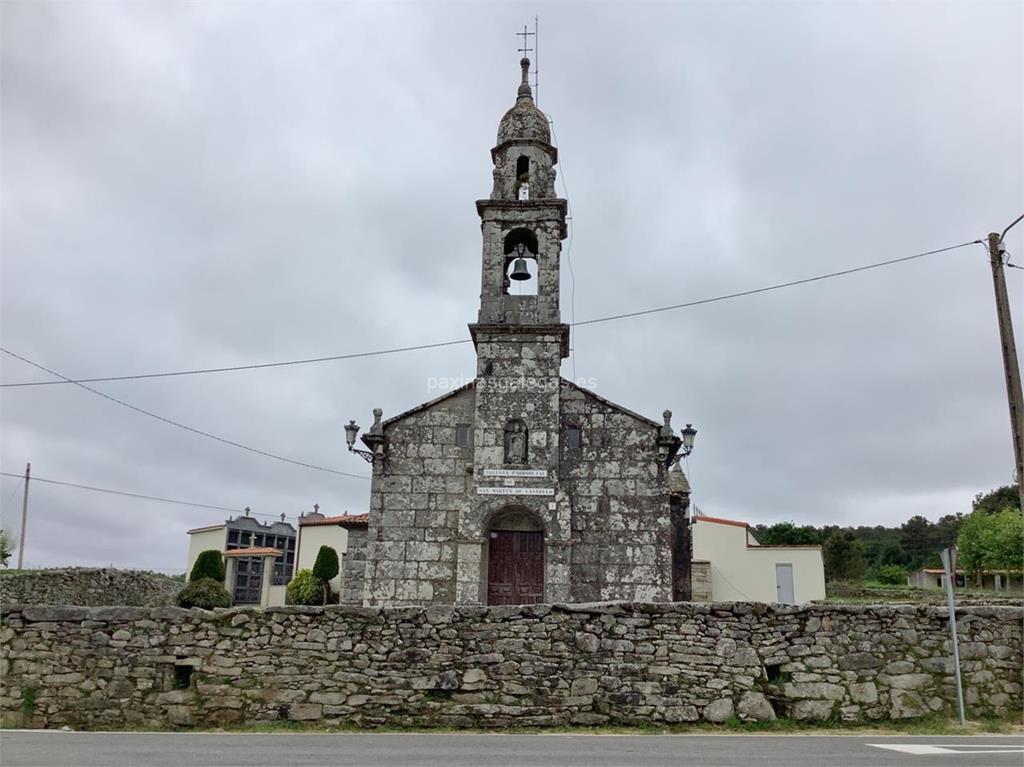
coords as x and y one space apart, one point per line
206 593
305 589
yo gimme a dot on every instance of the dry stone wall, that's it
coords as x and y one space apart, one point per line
90 586
532 665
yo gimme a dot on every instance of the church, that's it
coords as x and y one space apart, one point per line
521 486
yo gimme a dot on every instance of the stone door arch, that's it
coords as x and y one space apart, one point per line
515 558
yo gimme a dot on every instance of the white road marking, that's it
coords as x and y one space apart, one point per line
921 749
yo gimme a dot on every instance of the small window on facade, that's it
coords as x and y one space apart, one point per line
462 435
523 177
572 438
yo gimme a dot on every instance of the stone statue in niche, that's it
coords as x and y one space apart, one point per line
515 442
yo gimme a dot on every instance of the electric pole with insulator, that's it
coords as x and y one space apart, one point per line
1011 366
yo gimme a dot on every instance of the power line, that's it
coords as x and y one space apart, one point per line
181 425
779 286
138 495
609 318
17 487
234 368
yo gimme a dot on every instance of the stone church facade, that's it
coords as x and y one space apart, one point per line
521 486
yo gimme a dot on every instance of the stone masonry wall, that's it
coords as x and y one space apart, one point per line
87 586
532 665
353 566
411 543
621 518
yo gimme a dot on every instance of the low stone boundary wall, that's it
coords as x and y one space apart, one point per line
93 586
532 665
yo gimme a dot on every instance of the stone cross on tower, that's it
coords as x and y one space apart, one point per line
526 39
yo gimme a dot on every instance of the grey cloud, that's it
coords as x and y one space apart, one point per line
198 184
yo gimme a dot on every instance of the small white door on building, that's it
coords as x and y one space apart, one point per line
784 584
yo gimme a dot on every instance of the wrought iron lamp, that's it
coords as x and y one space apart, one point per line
686 447
689 433
351 430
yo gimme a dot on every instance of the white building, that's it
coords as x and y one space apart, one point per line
260 557
728 557
316 530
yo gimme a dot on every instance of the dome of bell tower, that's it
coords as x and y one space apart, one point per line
524 120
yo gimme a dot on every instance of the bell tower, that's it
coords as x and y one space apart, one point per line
519 332
523 223
520 343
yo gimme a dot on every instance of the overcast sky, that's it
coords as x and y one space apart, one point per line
206 184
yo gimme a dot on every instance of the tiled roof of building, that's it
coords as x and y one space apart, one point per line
343 520
753 534
205 529
719 521
253 552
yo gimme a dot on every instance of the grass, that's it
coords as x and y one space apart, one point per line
28 701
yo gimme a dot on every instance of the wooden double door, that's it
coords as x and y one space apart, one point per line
515 567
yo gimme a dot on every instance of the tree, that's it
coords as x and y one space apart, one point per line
844 560
325 568
919 540
787 534
996 500
305 589
991 541
209 564
7 544
205 593
891 575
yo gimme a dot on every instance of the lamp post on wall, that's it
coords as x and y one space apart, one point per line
689 434
351 430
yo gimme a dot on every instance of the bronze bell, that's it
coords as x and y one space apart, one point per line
519 271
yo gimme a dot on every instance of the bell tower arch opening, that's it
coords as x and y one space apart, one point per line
515 557
522 270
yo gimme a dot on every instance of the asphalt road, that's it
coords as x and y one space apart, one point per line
97 749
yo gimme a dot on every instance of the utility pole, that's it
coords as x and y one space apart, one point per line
24 517
1011 367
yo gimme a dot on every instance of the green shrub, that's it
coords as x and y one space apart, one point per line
305 589
892 575
206 593
209 564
